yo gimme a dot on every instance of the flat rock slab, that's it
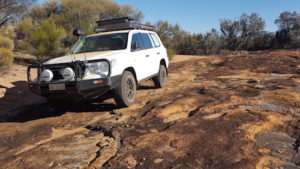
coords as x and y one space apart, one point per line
215 112
280 146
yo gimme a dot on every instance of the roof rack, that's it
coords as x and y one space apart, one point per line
119 24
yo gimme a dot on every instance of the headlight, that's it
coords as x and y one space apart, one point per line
97 70
47 75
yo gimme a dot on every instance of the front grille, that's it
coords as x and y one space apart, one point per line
56 75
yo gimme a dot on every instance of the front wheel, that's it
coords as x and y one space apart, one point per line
125 93
160 80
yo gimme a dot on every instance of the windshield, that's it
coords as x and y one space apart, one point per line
101 43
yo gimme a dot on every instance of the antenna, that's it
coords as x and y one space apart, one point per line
80 25
71 52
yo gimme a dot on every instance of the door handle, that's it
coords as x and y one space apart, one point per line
147 55
158 53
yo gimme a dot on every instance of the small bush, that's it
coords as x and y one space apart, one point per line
171 53
8 32
6 47
25 27
7 43
224 52
5 57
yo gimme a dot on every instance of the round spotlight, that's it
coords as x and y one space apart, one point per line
47 75
67 73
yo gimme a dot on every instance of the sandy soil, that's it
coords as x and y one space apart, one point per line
234 111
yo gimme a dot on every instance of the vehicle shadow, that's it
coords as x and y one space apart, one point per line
44 110
92 106
146 87
20 105
17 96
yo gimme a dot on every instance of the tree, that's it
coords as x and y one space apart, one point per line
230 33
11 10
171 35
283 38
46 40
252 28
212 42
129 11
288 34
23 30
288 21
193 44
71 14
239 34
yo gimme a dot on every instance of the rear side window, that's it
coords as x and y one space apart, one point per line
155 40
136 38
146 40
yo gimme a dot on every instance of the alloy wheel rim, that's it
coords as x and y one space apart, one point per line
130 89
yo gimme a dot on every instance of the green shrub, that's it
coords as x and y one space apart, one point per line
5 57
225 51
24 28
6 47
46 41
8 31
171 53
7 43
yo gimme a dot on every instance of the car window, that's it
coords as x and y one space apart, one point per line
155 40
136 38
146 40
102 43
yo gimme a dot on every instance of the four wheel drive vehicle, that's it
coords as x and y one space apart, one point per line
113 61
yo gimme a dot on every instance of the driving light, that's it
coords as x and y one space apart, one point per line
67 73
47 75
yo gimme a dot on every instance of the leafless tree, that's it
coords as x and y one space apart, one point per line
12 10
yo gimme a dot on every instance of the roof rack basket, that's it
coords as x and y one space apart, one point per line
119 24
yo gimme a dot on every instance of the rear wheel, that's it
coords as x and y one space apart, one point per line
160 80
125 93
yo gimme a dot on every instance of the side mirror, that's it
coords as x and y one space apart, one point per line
77 32
135 46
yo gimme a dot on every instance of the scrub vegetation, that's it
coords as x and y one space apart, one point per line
45 30
246 33
6 47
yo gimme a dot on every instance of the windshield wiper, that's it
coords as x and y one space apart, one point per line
87 51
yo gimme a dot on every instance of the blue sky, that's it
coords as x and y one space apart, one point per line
199 16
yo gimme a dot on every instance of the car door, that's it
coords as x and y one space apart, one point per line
151 57
157 50
140 55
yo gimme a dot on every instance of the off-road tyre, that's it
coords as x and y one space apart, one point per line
160 81
125 92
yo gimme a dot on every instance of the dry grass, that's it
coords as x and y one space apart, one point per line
5 57
7 43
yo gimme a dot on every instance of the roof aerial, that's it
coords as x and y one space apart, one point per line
119 24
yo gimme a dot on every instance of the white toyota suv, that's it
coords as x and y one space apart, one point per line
114 61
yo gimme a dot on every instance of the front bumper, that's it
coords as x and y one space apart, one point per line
77 89
81 89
